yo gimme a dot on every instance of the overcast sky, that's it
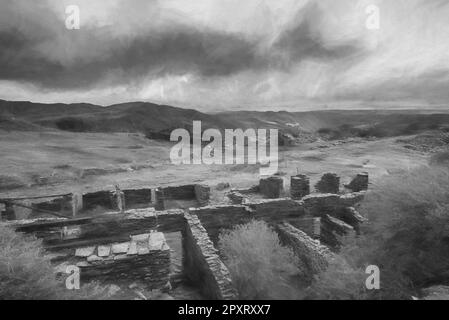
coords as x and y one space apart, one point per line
227 54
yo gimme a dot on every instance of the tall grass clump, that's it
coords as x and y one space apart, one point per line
27 274
261 268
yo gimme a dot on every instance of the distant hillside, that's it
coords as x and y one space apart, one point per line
158 120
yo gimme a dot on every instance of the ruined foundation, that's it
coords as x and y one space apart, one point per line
145 257
359 183
128 244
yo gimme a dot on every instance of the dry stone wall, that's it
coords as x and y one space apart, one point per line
299 186
314 256
144 257
202 265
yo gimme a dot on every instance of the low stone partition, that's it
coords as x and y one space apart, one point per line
198 192
352 199
186 192
277 209
313 255
61 205
202 265
329 183
216 218
145 257
318 205
108 199
60 234
236 197
352 217
202 194
271 187
103 199
359 183
299 186
309 225
334 230
137 197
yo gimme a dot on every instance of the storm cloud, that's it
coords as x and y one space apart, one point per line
227 54
98 56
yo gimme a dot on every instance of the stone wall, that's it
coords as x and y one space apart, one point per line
159 201
217 218
137 197
236 197
202 265
359 183
299 186
144 257
314 256
334 230
271 187
186 192
202 194
61 205
60 234
352 217
103 199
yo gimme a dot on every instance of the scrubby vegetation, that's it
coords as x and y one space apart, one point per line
26 272
407 237
260 266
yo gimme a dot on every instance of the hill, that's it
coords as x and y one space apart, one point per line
157 121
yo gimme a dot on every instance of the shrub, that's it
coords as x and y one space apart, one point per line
407 234
260 267
340 281
27 274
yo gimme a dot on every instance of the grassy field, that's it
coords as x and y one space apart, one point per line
35 163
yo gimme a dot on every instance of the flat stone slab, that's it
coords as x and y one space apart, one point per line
120 247
141 237
104 251
156 241
94 258
132 248
84 252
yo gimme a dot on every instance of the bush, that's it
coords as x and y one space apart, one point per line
260 267
407 234
340 281
27 274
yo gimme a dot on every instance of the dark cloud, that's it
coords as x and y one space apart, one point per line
95 56
302 40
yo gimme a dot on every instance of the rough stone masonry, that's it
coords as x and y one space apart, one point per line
145 257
